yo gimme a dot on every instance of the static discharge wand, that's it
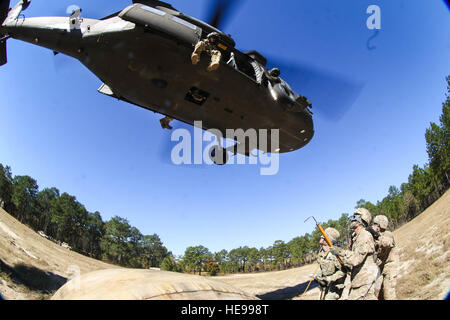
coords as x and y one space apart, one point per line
319 226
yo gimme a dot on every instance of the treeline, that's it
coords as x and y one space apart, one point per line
65 220
425 185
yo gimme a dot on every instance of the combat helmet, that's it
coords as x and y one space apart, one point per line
382 221
213 36
363 216
332 234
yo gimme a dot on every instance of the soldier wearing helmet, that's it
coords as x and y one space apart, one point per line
210 46
331 277
363 216
387 257
360 258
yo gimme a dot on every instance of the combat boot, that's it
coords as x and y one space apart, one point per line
195 58
215 60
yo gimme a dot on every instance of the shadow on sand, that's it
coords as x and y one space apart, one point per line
33 278
288 292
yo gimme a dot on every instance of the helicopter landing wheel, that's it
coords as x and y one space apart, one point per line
218 155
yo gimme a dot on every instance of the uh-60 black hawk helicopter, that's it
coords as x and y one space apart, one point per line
142 55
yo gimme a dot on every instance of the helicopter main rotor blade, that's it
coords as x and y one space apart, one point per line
331 94
219 11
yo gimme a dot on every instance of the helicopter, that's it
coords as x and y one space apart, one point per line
149 44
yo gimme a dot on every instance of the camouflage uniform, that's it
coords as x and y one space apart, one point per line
211 49
361 259
387 257
331 272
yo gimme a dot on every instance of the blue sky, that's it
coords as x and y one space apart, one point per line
113 157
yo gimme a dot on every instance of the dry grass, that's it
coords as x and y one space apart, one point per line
414 285
424 244
32 267
11 288
286 284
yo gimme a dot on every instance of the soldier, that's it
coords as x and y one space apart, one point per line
360 258
330 277
386 259
208 45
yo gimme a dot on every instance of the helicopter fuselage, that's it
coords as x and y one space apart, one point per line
148 63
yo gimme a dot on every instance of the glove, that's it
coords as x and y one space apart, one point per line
336 250
321 281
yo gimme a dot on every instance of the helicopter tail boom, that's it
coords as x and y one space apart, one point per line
54 33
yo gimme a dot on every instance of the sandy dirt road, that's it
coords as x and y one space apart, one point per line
277 285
